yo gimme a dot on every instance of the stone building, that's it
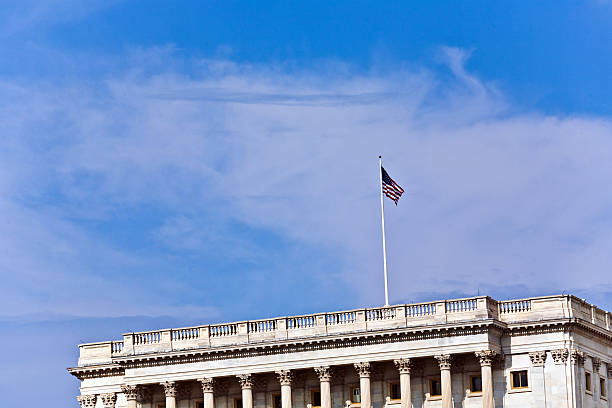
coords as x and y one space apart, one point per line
553 351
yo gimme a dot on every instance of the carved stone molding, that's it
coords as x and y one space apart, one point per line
577 357
560 355
596 364
208 385
444 361
245 380
87 401
109 399
285 377
403 365
130 391
169 388
538 358
486 357
609 366
363 369
324 373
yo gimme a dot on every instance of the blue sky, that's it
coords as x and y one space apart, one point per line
175 163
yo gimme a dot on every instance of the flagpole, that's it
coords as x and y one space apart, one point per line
382 216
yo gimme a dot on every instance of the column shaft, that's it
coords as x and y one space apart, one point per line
487 386
444 361
364 390
286 395
131 403
209 400
325 394
406 392
247 398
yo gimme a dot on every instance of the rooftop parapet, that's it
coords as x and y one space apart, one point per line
357 320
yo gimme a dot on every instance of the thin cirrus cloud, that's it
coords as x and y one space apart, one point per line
274 172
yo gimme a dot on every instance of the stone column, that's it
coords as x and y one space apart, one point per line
131 394
538 380
561 390
324 374
577 363
170 391
285 377
444 361
364 371
486 372
87 401
404 365
609 390
109 399
246 383
595 381
208 391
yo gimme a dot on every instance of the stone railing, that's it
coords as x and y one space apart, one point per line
358 320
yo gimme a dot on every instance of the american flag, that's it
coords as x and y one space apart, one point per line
390 187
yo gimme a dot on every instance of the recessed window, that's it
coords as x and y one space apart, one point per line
435 387
519 379
276 401
199 404
602 387
394 391
316 398
587 382
355 395
237 402
475 383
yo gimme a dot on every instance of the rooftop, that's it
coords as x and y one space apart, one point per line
416 316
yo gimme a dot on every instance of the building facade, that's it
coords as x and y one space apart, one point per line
553 351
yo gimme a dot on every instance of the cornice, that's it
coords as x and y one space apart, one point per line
107 370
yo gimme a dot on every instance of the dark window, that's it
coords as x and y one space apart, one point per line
199 404
395 391
316 398
519 379
476 383
435 387
276 401
355 395
587 381
602 387
238 403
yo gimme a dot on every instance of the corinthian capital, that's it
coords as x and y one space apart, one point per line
207 384
486 357
109 399
130 392
538 358
169 388
324 373
560 355
285 377
444 361
596 364
577 357
403 365
363 369
245 380
87 401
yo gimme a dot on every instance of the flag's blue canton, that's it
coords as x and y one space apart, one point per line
390 187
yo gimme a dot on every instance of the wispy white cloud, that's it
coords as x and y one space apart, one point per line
493 198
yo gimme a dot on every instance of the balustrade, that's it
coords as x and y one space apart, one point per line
514 306
116 347
462 305
333 319
384 313
223 330
190 333
262 326
147 338
301 322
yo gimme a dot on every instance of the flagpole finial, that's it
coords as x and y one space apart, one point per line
380 157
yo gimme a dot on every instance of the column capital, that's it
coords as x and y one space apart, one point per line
596 364
364 369
538 358
245 380
577 357
560 355
130 391
324 373
609 366
486 357
285 377
208 384
169 388
87 401
403 365
444 361
109 399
